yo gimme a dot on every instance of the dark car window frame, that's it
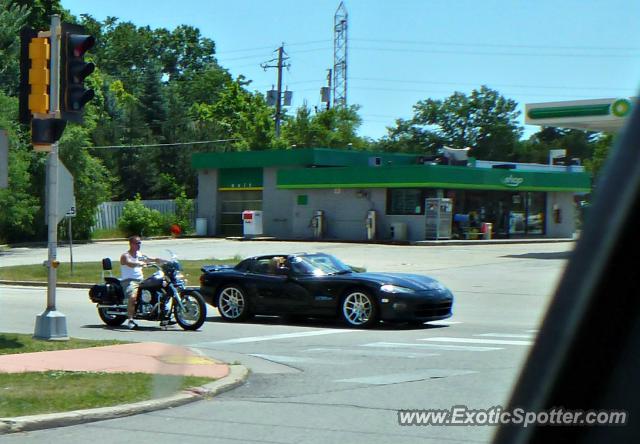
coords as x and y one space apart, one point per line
585 356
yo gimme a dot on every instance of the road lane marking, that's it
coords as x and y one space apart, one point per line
430 346
503 335
360 352
444 322
282 359
398 378
478 341
301 334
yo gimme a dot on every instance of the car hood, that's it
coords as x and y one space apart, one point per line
413 281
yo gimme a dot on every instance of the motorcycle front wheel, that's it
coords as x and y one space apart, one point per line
109 319
193 311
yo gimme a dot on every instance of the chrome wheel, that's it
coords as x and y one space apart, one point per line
358 309
191 312
232 303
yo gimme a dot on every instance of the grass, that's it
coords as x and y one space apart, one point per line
108 233
89 272
11 344
60 391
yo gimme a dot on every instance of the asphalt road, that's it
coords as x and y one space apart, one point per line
318 381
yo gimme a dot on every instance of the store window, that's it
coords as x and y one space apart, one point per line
535 212
407 200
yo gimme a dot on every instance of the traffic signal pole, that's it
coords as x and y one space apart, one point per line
52 324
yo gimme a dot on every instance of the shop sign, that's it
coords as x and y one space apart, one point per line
512 181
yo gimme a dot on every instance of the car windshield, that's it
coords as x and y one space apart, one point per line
318 265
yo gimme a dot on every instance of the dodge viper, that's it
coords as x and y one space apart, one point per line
320 285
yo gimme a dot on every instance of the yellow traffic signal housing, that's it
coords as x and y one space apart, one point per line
39 55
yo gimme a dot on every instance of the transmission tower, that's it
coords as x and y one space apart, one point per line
340 56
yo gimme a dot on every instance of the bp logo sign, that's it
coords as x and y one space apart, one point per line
621 107
512 181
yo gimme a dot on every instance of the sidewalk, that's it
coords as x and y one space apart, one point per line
147 357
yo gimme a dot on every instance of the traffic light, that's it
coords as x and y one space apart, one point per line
73 70
45 132
35 55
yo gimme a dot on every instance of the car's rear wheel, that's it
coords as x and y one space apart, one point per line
232 303
358 309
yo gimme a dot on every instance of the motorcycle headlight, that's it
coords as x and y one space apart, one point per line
389 288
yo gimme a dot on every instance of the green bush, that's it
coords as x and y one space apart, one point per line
139 220
184 212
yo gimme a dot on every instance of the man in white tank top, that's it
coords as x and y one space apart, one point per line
131 263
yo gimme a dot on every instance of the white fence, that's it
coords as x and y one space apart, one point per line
109 213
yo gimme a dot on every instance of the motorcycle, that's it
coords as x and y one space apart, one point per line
160 296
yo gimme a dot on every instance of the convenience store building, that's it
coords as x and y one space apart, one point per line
346 187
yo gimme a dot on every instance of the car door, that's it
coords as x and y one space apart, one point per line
312 295
265 285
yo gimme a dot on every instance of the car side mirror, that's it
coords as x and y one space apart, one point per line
283 271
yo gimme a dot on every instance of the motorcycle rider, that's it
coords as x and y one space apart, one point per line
131 263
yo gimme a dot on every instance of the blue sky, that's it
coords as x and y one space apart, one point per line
403 51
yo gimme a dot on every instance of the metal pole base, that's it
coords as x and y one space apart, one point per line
51 325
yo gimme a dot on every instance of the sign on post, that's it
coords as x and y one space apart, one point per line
66 194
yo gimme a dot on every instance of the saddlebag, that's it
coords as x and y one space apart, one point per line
106 294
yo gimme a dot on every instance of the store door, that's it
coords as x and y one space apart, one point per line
233 203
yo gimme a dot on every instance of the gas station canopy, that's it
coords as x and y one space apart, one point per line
608 115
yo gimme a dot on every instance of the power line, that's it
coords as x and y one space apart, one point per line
501 45
507 54
312 42
598 88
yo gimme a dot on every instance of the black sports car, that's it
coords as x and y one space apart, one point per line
319 284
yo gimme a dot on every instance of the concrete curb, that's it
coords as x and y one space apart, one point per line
237 376
44 284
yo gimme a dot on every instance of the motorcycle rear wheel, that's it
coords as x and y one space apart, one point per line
109 319
194 313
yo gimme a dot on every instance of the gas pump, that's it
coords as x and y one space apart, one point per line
370 223
317 224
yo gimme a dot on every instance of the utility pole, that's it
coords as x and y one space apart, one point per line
325 91
280 64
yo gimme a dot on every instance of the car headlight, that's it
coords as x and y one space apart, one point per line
389 288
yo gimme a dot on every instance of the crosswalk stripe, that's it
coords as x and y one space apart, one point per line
398 378
360 352
430 346
282 359
478 341
504 335
444 322
301 334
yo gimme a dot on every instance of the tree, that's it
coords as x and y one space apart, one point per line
92 181
238 115
332 128
40 12
19 203
485 121
406 137
13 16
601 150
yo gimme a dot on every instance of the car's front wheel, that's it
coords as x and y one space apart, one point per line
358 309
232 303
